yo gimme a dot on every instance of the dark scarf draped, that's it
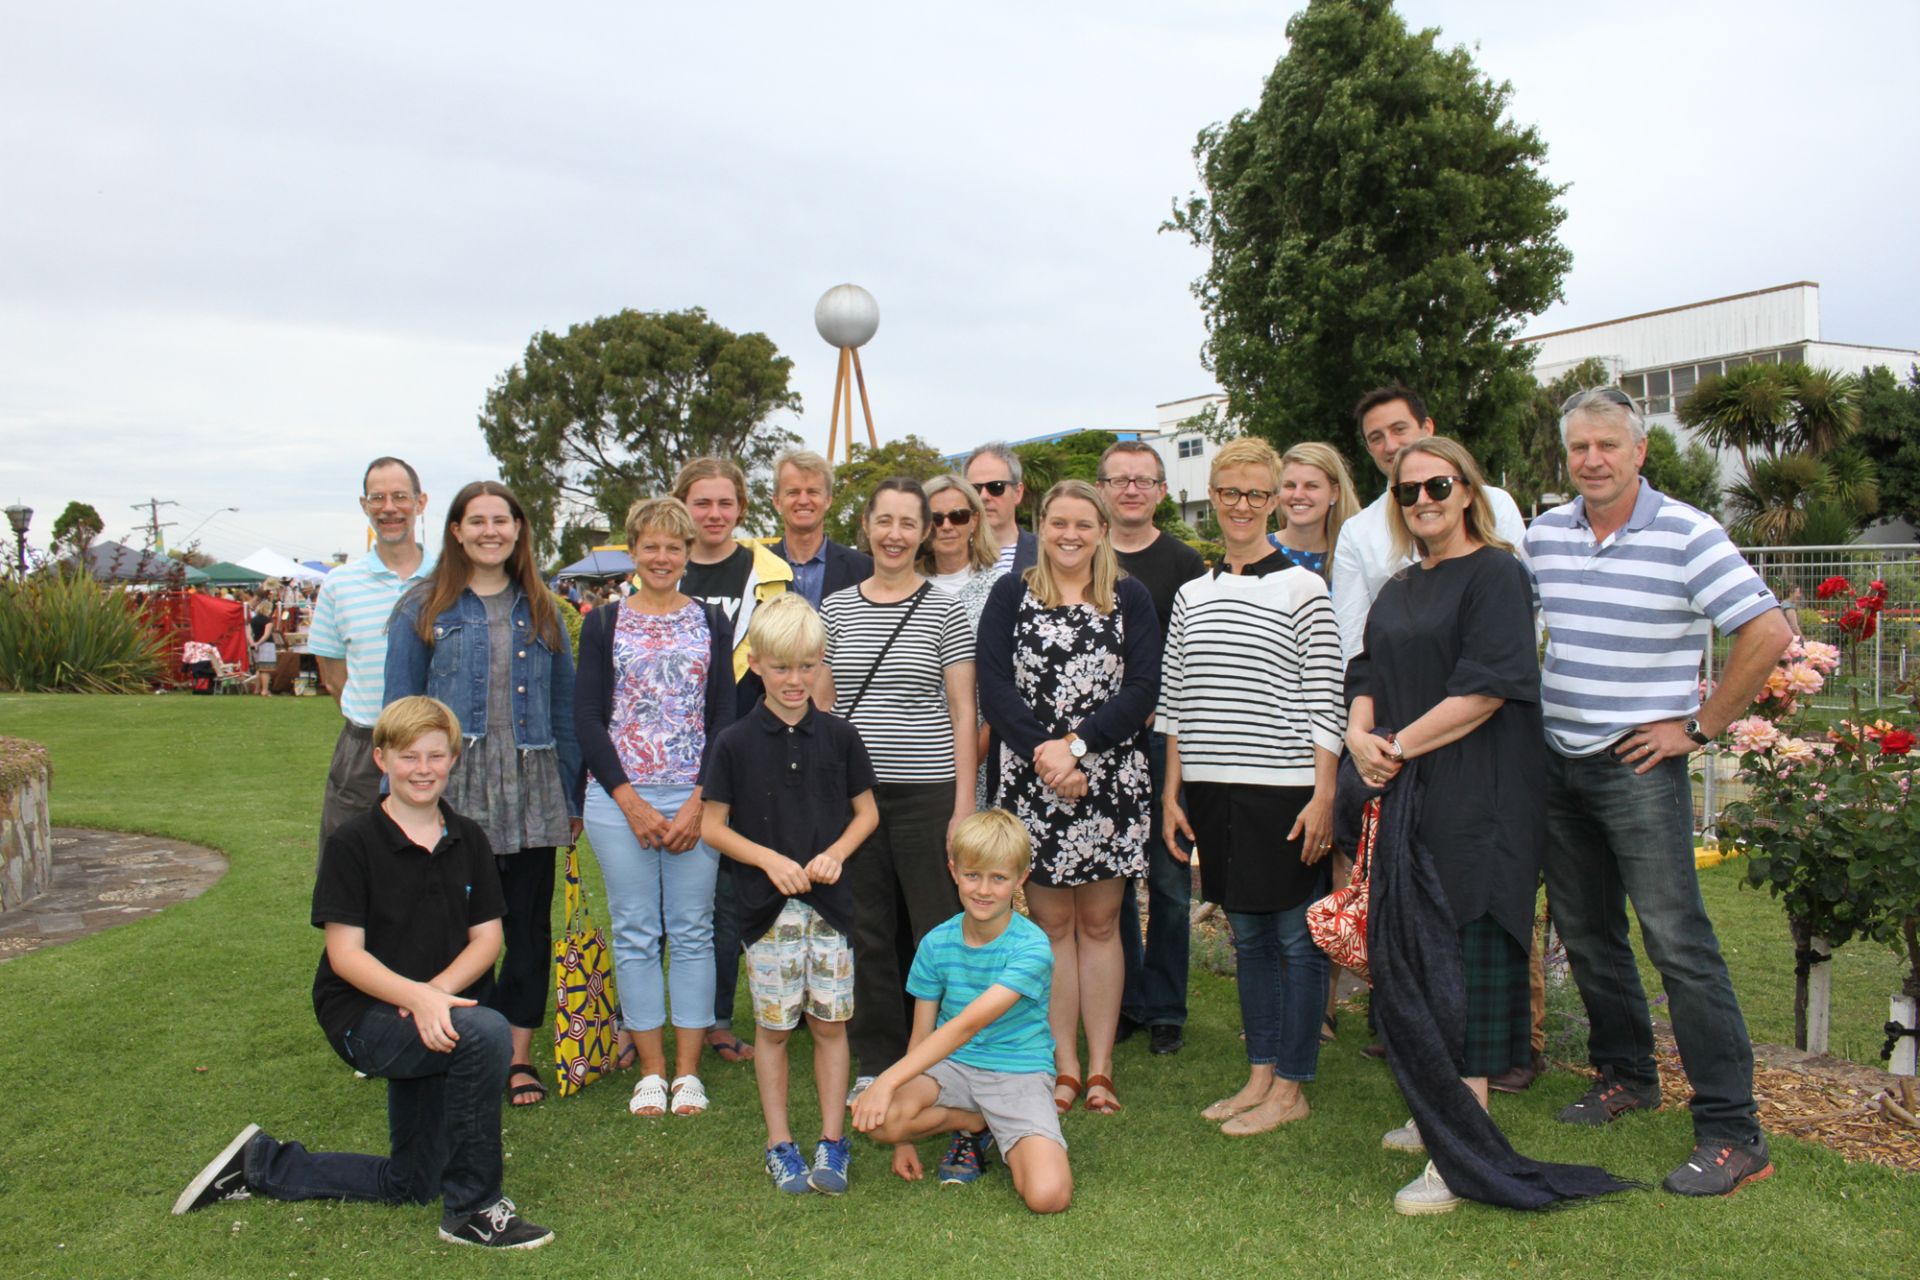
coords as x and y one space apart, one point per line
1420 1007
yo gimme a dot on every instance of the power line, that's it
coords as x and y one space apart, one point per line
154 523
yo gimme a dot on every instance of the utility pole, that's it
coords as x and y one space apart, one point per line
154 524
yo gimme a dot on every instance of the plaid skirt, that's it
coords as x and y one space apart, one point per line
1499 999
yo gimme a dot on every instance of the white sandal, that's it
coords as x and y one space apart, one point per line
689 1096
649 1097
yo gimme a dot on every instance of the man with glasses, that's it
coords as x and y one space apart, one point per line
994 470
1633 585
1133 480
348 636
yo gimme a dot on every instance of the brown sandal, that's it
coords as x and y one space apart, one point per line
1072 1085
1102 1108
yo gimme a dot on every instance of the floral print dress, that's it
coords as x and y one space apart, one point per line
1067 663
659 725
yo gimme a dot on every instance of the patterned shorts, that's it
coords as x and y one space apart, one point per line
801 964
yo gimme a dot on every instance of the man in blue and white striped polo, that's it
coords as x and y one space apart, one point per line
1632 584
348 638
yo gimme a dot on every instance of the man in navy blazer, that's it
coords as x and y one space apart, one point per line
802 488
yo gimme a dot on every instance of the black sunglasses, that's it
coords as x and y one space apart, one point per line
994 487
963 516
1439 488
1612 395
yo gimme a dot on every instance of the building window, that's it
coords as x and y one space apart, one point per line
1659 392
1191 447
1682 382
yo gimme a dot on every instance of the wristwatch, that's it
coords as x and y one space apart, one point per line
1076 745
1394 749
1692 729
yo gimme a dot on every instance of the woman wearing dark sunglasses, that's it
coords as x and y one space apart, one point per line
959 558
1445 711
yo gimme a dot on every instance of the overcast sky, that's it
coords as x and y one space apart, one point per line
246 247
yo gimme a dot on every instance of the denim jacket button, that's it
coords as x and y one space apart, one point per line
523 653
521 689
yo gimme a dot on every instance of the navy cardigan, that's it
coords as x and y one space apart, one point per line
593 694
1118 720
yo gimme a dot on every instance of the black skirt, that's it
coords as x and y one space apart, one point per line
1246 861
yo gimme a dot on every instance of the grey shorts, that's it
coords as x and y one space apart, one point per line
1015 1104
353 781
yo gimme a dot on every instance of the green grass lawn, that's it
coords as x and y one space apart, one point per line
131 1057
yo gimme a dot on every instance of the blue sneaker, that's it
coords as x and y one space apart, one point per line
967 1157
831 1160
787 1169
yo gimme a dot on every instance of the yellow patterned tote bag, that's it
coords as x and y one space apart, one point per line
586 1024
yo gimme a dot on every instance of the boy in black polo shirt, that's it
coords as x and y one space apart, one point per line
410 901
789 797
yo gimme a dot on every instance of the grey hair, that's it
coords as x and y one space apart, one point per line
1609 404
996 450
806 462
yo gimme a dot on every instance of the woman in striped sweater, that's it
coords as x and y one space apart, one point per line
1250 703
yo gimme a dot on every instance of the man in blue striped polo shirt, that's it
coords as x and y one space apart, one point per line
1632 583
348 637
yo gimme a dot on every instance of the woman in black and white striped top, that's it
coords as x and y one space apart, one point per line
900 667
1250 701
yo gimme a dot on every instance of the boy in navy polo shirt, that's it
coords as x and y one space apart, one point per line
789 797
410 901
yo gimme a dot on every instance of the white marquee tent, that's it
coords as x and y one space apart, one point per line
274 565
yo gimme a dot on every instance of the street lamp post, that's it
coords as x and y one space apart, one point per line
19 516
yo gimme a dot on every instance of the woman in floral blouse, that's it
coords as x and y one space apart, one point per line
1069 669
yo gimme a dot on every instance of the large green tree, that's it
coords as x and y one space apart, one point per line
607 412
75 528
1376 217
1691 475
1889 434
864 469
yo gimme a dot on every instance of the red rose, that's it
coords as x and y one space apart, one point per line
1896 743
1878 588
1832 587
1851 620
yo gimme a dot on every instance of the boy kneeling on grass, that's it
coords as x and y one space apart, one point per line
789 797
980 1059
410 900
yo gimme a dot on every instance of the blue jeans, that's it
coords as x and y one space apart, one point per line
443 1115
1155 994
656 897
1614 836
1282 978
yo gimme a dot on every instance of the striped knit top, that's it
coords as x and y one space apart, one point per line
1251 677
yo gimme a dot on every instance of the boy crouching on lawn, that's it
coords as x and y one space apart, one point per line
410 900
980 1061
789 797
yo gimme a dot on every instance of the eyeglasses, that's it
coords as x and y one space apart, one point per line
1234 497
1612 395
381 499
1439 489
1131 482
994 487
958 519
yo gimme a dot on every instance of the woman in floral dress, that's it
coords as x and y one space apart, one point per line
1069 669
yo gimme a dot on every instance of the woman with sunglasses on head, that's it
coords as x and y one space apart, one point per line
1250 704
484 636
959 558
1444 716
1069 670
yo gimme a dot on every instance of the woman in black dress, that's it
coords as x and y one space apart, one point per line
1447 690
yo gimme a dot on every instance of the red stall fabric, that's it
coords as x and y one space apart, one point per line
188 615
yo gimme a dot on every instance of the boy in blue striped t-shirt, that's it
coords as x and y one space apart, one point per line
980 1060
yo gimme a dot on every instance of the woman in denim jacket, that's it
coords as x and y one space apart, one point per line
483 635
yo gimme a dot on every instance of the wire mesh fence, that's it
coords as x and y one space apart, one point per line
1876 666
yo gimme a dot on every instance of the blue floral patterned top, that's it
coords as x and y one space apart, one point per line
660 695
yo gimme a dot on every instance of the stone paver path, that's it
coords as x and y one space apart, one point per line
104 878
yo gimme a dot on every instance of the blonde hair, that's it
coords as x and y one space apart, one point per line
666 515
992 840
786 630
407 720
711 468
1245 451
806 462
1479 513
1327 460
981 553
1106 566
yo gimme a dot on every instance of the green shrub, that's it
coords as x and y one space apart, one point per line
62 632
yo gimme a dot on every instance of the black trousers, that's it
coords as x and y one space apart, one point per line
526 954
901 889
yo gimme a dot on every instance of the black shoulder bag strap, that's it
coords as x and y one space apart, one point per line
913 602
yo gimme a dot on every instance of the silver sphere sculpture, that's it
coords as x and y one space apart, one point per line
846 316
